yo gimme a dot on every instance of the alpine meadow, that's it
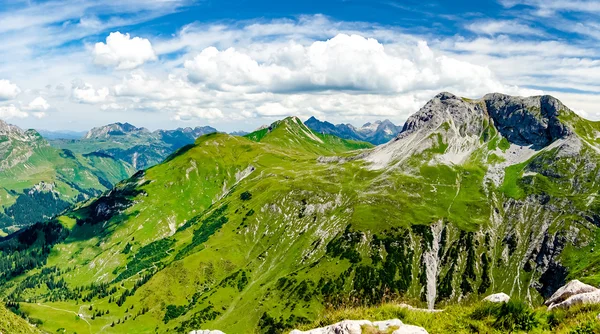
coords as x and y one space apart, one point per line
199 167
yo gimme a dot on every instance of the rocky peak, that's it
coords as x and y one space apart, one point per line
114 129
13 132
527 120
446 109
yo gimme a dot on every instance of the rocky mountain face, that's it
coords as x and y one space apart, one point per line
473 197
138 147
378 132
115 129
17 145
38 181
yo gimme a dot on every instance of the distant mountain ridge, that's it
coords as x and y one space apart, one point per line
136 146
38 181
378 132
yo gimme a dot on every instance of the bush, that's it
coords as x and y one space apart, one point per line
511 316
246 196
587 328
515 315
555 318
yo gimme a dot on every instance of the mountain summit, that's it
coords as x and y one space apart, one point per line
457 127
114 129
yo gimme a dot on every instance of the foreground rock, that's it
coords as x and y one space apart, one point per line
582 298
206 331
356 327
569 290
497 298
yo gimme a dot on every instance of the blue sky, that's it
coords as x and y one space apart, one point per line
238 64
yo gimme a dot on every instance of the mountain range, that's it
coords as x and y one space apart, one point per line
138 147
378 132
38 181
266 232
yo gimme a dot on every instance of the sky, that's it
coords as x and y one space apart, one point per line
238 64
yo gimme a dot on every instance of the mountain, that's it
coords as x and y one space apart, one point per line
378 132
38 181
270 231
138 147
239 133
115 130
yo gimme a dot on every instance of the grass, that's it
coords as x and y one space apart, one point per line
11 323
480 317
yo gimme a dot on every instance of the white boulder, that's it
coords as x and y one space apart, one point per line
410 329
582 298
497 298
356 326
570 289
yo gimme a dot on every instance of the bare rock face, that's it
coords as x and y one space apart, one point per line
527 120
497 298
356 327
573 293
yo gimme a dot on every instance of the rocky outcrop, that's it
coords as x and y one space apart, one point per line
573 293
357 326
497 298
527 120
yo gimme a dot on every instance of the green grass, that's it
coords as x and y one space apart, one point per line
11 323
504 144
510 186
468 318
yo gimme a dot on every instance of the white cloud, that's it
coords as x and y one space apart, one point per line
85 93
38 104
189 113
123 52
549 7
508 27
345 62
8 90
10 111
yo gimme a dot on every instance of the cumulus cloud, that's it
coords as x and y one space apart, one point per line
85 93
8 90
123 52
11 111
345 62
347 76
38 104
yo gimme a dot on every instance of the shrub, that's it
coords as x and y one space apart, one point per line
246 196
515 315
511 316
587 328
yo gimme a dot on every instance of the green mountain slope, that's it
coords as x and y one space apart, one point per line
264 233
38 181
11 323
